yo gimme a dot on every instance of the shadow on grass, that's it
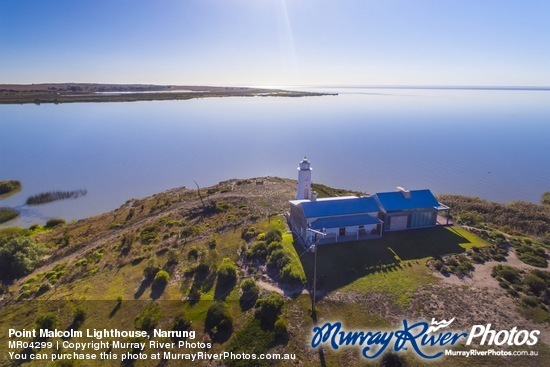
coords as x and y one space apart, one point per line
342 263
143 287
157 289
223 289
115 309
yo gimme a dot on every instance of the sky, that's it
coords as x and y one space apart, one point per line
276 42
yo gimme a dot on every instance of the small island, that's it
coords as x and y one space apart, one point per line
9 187
7 214
47 197
90 92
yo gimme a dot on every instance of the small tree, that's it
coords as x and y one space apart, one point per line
273 235
18 256
269 308
219 322
227 272
162 278
250 293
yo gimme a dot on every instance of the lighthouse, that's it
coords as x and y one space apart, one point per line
304 180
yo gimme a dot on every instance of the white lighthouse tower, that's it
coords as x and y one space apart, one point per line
304 180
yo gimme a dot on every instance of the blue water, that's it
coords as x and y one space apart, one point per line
492 144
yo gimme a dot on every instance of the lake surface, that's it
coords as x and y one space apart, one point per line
488 143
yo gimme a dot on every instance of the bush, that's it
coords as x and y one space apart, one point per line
46 321
248 233
148 319
181 323
258 251
278 259
530 301
438 264
152 268
469 218
281 331
227 272
250 293
162 278
269 308
79 315
535 284
273 235
509 273
291 276
18 256
193 253
218 320
54 222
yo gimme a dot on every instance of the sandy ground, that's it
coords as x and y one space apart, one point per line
476 300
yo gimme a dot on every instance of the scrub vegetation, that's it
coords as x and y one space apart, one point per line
225 266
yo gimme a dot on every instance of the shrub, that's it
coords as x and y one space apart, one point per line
18 256
222 206
227 272
469 218
162 278
273 235
152 268
438 264
46 321
79 315
248 233
147 319
181 323
269 308
193 253
281 331
250 293
54 222
535 284
258 250
507 272
149 234
291 276
218 320
278 259
530 301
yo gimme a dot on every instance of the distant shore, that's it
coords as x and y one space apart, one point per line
89 92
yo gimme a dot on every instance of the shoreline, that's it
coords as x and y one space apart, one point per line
86 92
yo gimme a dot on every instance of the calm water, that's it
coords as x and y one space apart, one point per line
492 144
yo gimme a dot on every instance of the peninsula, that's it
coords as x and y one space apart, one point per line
90 92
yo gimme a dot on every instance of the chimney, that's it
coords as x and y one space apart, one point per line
314 196
406 193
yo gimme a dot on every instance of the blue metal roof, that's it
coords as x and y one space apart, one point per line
336 207
346 221
395 200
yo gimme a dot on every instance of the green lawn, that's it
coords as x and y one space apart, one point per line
394 263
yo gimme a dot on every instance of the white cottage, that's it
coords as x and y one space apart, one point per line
342 219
